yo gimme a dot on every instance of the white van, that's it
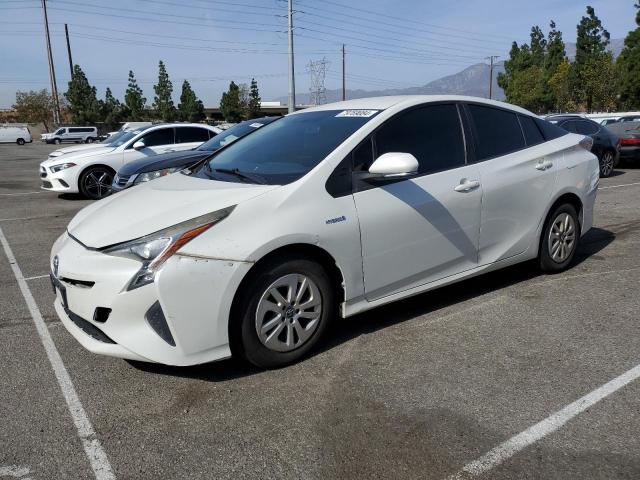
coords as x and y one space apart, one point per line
72 134
19 134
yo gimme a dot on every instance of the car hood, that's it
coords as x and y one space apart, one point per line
155 205
75 148
165 160
78 155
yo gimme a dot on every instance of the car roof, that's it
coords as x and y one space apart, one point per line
177 124
382 103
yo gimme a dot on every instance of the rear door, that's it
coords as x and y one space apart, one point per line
518 172
188 138
418 230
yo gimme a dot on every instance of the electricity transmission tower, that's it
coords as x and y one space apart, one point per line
318 71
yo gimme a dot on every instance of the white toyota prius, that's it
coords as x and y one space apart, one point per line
323 214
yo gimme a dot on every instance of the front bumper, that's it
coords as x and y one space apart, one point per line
64 181
193 294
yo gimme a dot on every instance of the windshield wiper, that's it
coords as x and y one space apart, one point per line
239 174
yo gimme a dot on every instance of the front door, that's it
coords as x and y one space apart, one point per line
155 142
422 229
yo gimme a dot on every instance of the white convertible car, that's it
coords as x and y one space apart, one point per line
90 170
328 212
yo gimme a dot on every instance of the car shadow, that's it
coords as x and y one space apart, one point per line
394 313
71 196
616 173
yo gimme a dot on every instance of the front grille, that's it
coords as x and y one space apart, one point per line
46 184
88 328
121 181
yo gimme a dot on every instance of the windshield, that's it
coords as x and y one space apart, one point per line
230 135
124 138
286 150
113 138
60 131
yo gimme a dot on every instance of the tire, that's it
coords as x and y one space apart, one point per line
607 164
560 239
20 141
95 182
253 308
56 141
88 140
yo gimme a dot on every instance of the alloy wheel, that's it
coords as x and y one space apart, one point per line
288 313
606 164
97 183
562 238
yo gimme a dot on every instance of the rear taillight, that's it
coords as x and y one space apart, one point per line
629 141
586 143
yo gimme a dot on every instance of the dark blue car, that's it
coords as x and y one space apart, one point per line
157 166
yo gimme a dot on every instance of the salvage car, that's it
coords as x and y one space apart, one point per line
326 213
146 169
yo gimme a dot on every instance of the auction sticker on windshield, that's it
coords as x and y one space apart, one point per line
357 113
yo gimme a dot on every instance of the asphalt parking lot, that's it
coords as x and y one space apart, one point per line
416 389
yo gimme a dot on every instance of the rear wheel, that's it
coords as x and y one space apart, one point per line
89 140
20 141
95 182
282 312
560 239
607 164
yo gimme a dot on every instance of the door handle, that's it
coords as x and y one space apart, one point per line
467 185
544 165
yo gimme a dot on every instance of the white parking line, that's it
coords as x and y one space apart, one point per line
541 429
618 186
92 447
12 219
18 193
15 472
37 277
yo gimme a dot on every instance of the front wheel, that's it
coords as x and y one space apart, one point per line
606 164
56 141
282 312
560 238
95 182
20 141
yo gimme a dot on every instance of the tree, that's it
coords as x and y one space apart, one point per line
591 47
83 103
254 100
230 104
538 46
559 86
112 111
133 99
556 51
190 108
244 100
628 67
162 102
35 107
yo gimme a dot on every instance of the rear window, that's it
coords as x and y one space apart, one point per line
587 128
532 133
549 130
497 132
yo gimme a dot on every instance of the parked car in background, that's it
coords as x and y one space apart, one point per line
91 172
329 212
19 134
113 138
146 169
71 134
629 134
606 145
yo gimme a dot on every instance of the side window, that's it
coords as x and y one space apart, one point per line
432 134
570 126
163 136
587 128
497 132
549 130
532 133
191 134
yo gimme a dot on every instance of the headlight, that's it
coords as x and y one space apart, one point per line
62 166
154 249
145 177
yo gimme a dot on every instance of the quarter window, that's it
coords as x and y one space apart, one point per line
549 130
532 133
587 128
497 132
432 134
571 126
163 136
191 134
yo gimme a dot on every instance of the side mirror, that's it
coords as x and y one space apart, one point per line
394 165
139 145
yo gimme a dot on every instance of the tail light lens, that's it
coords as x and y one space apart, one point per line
586 143
630 141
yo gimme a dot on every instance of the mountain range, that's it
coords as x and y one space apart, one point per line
473 81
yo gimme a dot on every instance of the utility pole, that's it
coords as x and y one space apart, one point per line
491 59
52 72
292 82
344 88
66 32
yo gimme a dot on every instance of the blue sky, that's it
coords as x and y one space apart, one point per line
397 43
